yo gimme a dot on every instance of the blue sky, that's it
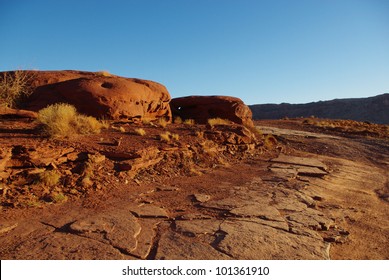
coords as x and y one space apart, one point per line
262 51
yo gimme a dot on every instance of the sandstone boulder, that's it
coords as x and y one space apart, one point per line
202 108
100 95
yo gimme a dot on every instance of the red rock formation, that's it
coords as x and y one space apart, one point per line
202 108
100 95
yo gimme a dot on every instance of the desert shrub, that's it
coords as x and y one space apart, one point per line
14 87
87 125
165 136
140 131
146 121
62 121
119 128
218 121
49 178
189 122
270 141
175 136
162 122
104 73
177 120
59 197
168 136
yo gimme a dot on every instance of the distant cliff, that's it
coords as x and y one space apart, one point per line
373 109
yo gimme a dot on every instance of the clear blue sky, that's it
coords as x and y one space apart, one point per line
262 51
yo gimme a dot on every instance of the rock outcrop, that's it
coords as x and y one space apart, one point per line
100 95
202 108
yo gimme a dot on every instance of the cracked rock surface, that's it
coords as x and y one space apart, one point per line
300 206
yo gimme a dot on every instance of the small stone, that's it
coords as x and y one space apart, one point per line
6 227
201 197
72 156
149 211
96 158
166 189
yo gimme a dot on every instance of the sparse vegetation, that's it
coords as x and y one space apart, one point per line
270 141
177 120
349 126
49 178
175 136
165 136
119 128
140 131
168 136
59 197
104 73
189 122
218 121
146 121
62 121
14 87
34 202
162 122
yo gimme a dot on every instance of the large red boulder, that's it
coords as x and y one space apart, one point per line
100 95
202 108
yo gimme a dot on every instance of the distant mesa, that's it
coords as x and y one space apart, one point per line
100 94
372 109
202 108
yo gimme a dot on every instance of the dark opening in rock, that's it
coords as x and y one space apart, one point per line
107 85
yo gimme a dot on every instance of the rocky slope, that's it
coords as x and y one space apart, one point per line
373 109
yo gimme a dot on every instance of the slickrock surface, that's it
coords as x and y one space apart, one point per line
306 198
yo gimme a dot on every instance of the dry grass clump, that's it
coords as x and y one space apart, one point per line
62 121
270 141
189 122
168 136
165 136
177 120
14 87
140 131
218 121
119 128
162 122
59 197
175 136
104 73
146 121
49 178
